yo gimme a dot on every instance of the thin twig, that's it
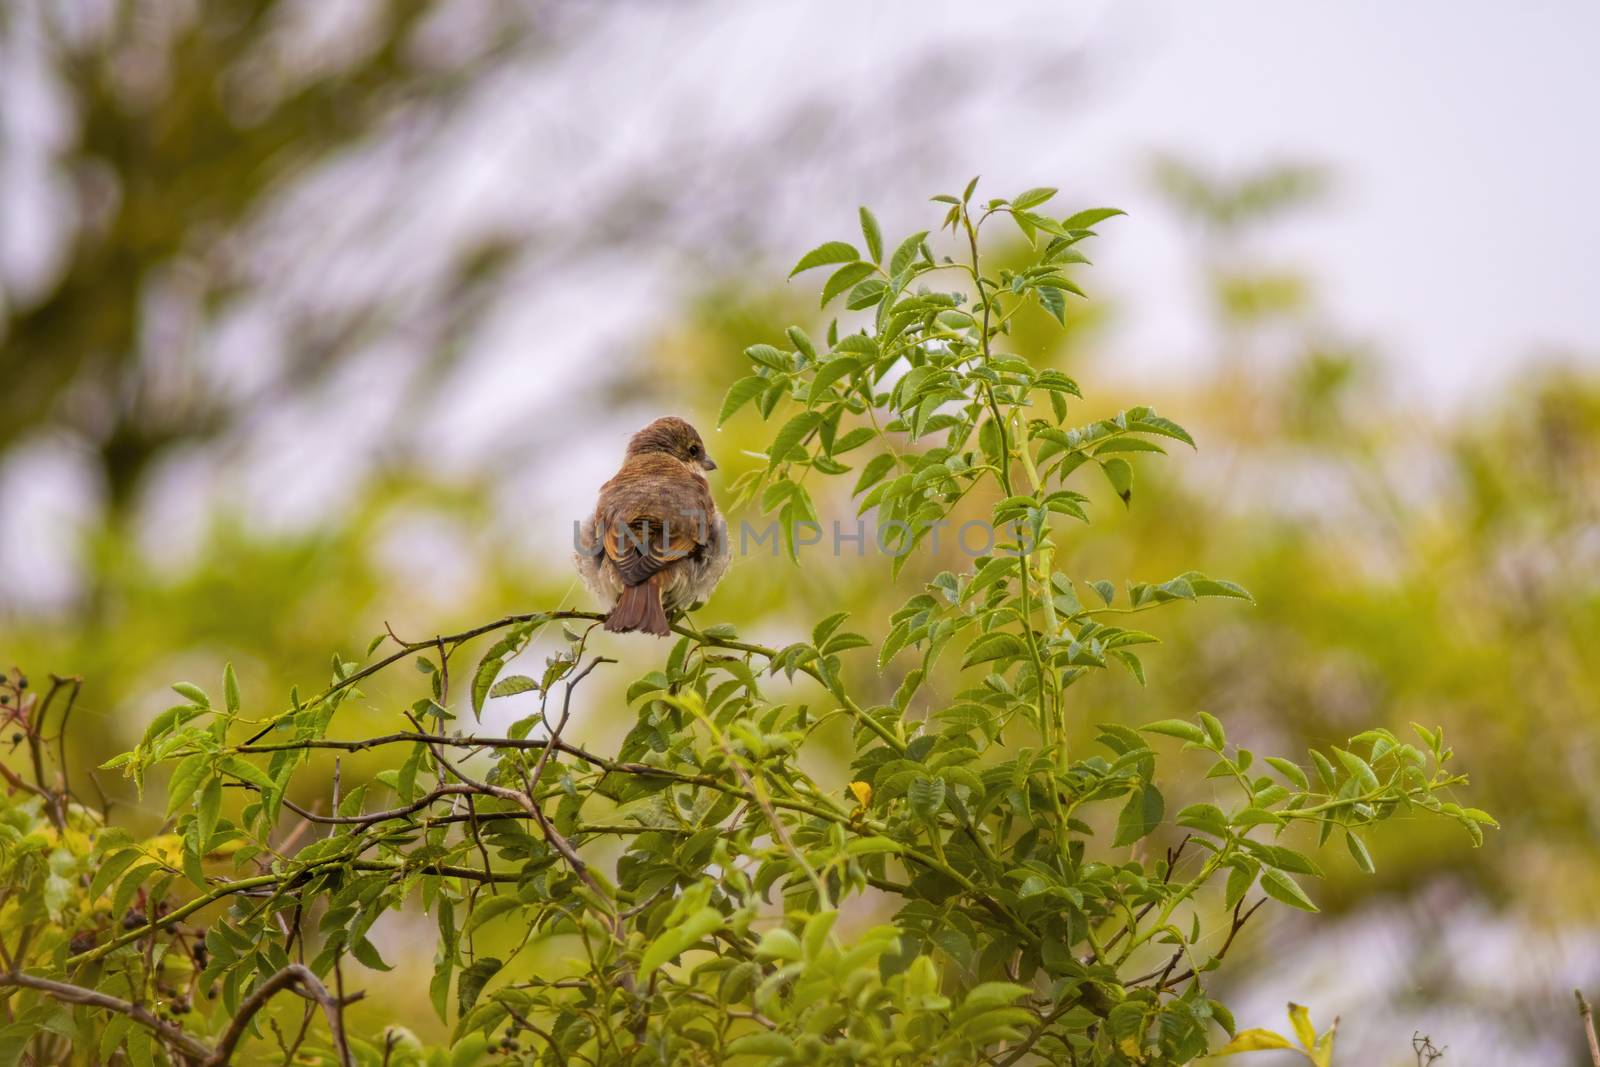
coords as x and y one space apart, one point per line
310 987
191 1048
1588 1027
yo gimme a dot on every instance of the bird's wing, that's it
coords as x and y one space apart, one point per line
655 513
645 546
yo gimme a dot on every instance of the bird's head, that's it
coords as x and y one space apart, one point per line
676 438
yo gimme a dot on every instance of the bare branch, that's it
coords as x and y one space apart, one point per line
186 1045
1588 1027
292 975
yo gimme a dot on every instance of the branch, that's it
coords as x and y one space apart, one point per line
411 648
1588 1027
191 1048
310 988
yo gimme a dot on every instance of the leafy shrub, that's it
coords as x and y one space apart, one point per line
700 871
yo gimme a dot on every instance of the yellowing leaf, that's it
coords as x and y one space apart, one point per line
1300 1018
863 793
1253 1041
1322 1054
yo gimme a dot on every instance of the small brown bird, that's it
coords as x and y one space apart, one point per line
655 542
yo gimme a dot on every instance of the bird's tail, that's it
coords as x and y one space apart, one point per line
639 608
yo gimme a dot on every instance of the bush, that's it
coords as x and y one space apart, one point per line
699 870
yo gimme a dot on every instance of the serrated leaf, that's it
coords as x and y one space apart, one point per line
906 252
1140 815
926 796
1281 887
1088 217
186 780
992 647
842 279
1179 728
1291 771
740 394
872 234
512 684
1033 197
790 436
1358 849
472 981
824 254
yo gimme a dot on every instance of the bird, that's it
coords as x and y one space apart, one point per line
655 543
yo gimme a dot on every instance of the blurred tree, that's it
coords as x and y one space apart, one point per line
187 122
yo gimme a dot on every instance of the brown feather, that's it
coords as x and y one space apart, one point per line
639 608
656 538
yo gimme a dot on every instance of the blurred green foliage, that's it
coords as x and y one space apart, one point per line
1408 563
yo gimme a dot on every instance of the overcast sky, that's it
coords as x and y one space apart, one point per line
1463 229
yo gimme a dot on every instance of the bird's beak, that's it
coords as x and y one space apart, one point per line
707 464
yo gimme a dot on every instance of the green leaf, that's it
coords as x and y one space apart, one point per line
1033 197
740 394
790 436
827 374
470 1049
779 944
1281 887
844 278
472 981
1085 219
816 931
823 254
926 796
768 1043
1119 472
210 812
1140 815
1207 817
193 693
768 356
246 771
1359 768
992 647
873 472
511 685
906 253
863 846
1179 728
230 689
186 779
1241 876
367 954
110 870
487 909
1054 302
1358 849
674 940
1291 771
873 235
483 680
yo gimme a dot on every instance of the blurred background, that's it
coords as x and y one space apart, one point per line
320 316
